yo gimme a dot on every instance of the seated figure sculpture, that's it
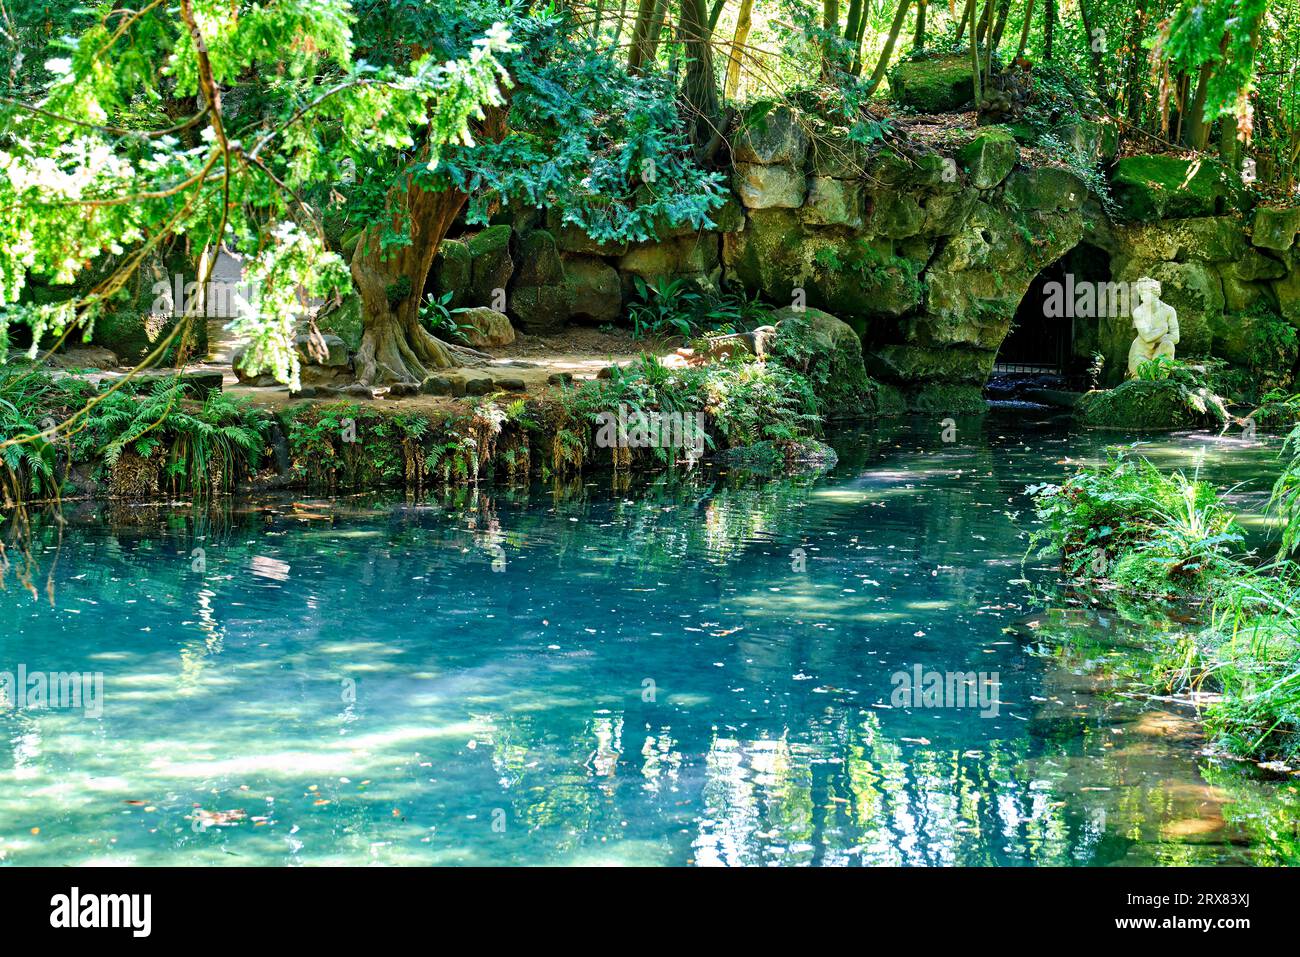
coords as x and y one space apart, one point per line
1156 323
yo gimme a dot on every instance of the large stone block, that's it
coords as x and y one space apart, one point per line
838 157
1047 188
937 84
539 260
895 215
1275 228
1255 265
540 310
492 266
989 157
688 255
451 270
773 137
1157 187
833 202
842 383
767 187
595 290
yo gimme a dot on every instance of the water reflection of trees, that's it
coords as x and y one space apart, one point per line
699 775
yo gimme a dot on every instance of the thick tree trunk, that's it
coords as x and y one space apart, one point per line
1094 51
961 24
394 346
1198 131
642 50
1132 84
918 38
856 68
1049 27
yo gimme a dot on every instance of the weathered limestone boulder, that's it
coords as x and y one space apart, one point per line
573 239
539 260
844 388
595 290
1287 291
896 215
1089 139
347 321
937 84
451 270
322 350
692 255
1157 187
946 398
946 213
773 138
833 202
487 327
989 157
1140 405
491 266
1253 266
539 301
1205 238
837 157
540 310
1240 296
765 187
1046 188
846 274
917 364
1275 228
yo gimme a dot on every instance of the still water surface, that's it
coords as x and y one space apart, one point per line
679 672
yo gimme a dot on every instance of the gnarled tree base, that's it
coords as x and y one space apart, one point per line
393 351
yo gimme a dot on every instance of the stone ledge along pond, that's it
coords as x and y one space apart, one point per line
687 671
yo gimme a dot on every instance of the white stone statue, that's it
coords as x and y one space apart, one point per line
1156 323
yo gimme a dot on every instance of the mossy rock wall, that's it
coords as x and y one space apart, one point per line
926 256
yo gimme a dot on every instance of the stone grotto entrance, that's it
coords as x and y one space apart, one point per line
1050 343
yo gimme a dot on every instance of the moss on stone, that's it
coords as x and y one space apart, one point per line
1155 187
989 156
938 84
1141 405
948 398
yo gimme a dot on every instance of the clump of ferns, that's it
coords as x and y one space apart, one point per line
196 449
27 447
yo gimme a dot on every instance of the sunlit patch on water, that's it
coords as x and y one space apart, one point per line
687 672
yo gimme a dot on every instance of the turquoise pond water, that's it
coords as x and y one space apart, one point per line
615 675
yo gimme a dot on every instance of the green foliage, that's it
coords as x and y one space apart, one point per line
666 306
1198 383
437 316
1125 520
26 447
680 307
348 445
104 168
1148 537
201 448
1271 348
